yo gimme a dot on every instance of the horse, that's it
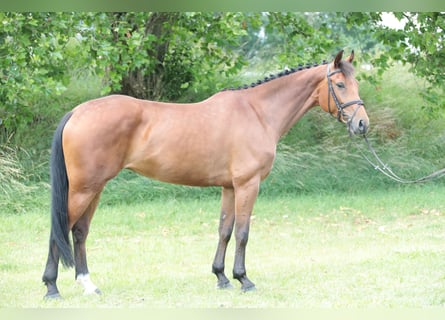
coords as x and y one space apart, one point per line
228 140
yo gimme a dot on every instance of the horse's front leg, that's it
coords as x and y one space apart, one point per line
225 232
245 196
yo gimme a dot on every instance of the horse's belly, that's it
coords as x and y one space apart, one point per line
183 172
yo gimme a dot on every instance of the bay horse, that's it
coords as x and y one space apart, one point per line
227 140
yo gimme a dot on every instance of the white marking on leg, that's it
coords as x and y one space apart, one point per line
88 285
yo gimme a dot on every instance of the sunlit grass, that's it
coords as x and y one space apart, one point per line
364 250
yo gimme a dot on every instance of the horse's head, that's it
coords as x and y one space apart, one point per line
338 95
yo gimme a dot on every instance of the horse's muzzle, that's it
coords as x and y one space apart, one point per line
363 126
359 126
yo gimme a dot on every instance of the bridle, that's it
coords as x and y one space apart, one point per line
378 164
340 106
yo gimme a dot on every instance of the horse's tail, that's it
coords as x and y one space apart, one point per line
59 197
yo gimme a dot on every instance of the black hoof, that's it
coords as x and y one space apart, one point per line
53 296
98 292
224 285
246 284
248 288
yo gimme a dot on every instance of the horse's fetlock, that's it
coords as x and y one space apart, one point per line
239 274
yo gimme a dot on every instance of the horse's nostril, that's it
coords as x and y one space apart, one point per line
362 126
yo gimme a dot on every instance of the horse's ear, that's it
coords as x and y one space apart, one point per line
351 57
338 59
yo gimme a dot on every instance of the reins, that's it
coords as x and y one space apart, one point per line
377 164
387 171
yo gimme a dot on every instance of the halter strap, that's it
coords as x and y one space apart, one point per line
340 106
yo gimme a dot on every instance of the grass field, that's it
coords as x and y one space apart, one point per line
380 249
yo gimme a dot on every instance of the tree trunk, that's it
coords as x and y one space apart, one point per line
151 86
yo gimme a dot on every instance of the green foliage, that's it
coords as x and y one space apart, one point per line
160 55
422 41
419 44
32 47
209 41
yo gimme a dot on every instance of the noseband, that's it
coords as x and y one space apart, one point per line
340 106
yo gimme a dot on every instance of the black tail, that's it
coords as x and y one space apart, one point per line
59 198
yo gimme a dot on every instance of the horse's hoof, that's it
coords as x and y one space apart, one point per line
248 288
96 291
53 296
224 285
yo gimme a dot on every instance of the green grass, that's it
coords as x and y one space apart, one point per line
379 249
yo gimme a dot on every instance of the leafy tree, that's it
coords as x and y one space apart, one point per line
158 55
32 63
420 44
164 56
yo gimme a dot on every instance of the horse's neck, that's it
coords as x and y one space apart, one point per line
283 101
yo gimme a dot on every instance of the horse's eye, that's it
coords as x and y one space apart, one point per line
340 85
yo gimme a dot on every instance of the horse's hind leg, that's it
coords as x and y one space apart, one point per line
80 231
51 272
81 209
225 231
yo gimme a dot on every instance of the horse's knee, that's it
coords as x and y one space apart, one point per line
226 234
242 237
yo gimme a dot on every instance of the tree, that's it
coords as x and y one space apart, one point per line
420 44
157 27
159 55
164 56
32 62
147 55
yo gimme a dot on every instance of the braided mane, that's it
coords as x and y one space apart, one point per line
271 77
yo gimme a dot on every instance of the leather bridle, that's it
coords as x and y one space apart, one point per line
340 106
